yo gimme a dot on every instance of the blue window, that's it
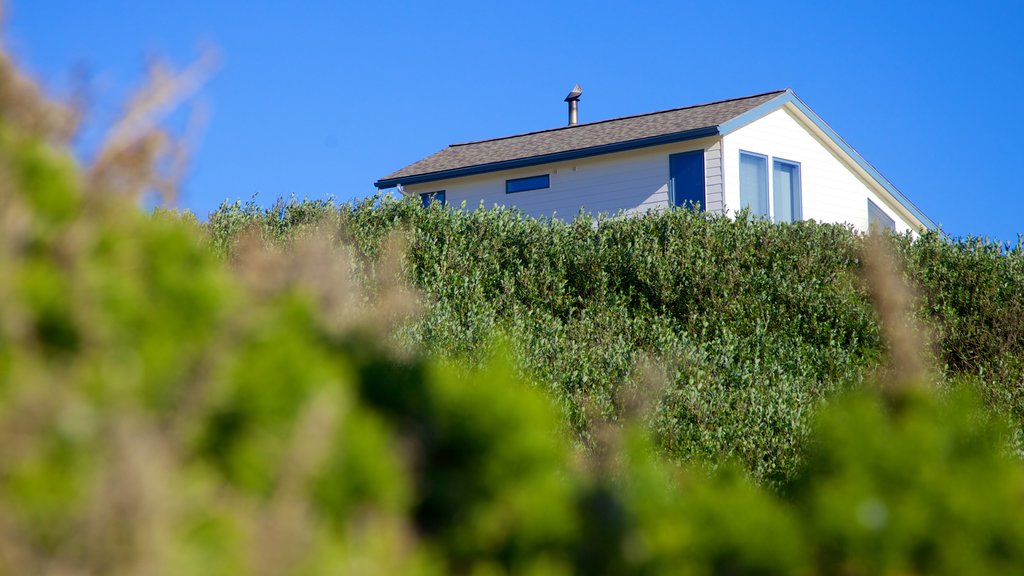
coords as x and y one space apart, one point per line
686 179
878 220
786 194
754 183
528 183
429 198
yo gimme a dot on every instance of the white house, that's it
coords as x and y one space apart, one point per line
768 152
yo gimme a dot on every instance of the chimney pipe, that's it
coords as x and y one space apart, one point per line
573 100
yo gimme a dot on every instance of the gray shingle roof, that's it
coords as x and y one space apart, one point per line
595 136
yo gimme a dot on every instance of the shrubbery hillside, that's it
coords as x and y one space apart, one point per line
750 326
318 394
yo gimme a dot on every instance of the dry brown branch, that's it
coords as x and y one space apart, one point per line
131 515
313 264
25 107
906 341
138 154
284 532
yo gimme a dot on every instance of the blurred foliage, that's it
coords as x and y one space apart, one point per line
259 395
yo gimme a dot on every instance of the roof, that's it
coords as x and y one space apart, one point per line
577 141
630 132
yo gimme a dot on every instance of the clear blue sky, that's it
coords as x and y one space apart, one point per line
322 98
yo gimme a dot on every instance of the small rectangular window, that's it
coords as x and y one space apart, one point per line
429 198
878 220
754 183
786 191
528 183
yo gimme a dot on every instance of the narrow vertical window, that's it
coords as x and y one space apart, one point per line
429 198
786 191
878 220
686 179
754 183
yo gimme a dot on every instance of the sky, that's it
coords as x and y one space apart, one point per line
321 98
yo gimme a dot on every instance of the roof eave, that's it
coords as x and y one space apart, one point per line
548 158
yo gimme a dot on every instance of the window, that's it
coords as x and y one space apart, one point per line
783 200
788 205
528 183
878 220
754 183
431 197
686 179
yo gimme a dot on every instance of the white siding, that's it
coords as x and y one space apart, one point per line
631 181
832 190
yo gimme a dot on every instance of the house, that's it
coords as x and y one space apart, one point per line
768 152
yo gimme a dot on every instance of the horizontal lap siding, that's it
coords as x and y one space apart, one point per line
633 181
713 181
832 192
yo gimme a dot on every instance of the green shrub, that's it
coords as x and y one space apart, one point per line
756 324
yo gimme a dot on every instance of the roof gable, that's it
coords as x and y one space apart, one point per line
847 152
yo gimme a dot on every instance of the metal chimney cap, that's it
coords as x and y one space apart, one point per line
575 94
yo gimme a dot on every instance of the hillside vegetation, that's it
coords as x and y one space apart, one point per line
746 327
382 389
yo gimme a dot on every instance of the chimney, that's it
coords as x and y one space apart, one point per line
573 99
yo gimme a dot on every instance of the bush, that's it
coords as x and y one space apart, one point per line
754 324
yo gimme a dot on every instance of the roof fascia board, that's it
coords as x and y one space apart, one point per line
548 158
789 97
